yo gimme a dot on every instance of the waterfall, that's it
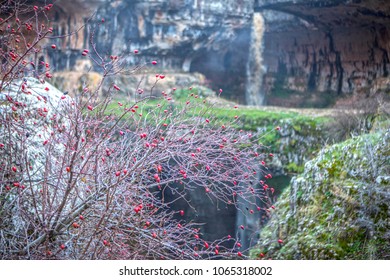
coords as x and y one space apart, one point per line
254 68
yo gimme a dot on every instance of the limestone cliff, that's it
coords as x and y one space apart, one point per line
326 46
175 31
333 46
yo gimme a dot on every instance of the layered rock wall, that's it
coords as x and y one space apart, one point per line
174 31
316 46
326 46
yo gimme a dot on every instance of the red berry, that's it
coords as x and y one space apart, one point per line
14 169
280 241
75 225
239 254
62 246
181 212
53 46
135 51
116 87
154 62
206 245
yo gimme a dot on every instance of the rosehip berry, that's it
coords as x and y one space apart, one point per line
117 88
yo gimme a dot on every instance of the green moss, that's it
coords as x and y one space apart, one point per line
292 167
339 208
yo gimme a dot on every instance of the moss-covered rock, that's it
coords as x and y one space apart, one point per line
339 208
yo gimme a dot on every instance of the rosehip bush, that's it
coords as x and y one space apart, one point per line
84 177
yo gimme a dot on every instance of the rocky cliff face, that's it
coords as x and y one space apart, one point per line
326 46
316 46
210 37
182 35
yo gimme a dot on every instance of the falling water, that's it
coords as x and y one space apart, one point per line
255 69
